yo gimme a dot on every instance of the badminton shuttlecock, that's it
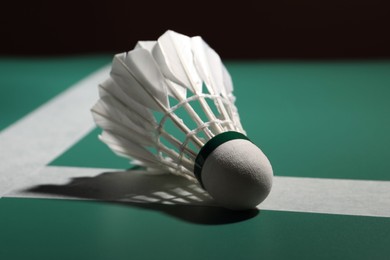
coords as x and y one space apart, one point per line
168 104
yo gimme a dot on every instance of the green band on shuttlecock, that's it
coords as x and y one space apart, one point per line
210 146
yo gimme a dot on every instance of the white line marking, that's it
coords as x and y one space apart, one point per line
333 196
109 184
53 175
31 143
45 133
329 196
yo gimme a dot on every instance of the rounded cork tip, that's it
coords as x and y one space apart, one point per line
237 175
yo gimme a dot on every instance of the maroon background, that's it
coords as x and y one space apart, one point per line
239 29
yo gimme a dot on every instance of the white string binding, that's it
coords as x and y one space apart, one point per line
184 150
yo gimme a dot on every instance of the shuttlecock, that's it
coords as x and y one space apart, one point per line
168 104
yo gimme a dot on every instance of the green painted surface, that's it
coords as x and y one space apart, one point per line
318 119
52 229
313 119
26 83
326 120
91 152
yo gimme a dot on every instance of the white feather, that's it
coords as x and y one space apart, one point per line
174 89
146 45
174 55
130 79
211 70
111 115
127 148
227 80
140 114
208 64
142 64
141 83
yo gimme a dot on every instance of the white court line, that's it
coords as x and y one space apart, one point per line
327 196
53 175
48 131
332 196
28 145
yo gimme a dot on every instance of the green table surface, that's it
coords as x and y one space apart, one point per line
313 119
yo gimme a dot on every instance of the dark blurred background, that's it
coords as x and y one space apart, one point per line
237 29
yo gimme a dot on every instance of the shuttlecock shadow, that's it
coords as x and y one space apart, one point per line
172 195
